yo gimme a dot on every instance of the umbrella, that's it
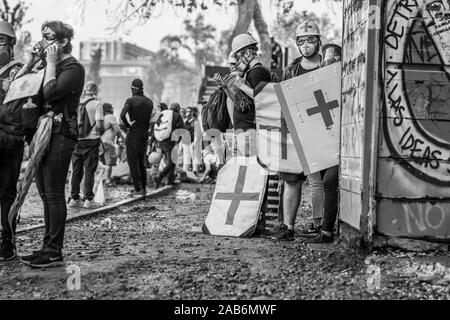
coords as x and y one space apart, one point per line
38 148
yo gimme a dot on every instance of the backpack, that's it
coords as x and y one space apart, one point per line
215 113
164 129
84 125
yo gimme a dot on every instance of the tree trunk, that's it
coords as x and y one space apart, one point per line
245 16
263 32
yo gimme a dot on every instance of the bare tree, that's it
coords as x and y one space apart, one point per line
130 13
15 15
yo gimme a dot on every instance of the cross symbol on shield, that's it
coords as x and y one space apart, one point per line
323 108
237 196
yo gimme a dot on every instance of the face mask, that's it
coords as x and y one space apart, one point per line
245 61
5 55
40 47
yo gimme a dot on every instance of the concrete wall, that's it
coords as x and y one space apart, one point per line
395 141
413 180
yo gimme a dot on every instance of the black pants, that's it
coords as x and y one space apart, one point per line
330 188
9 175
84 162
50 181
169 169
136 146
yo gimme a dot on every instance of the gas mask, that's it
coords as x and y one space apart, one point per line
40 47
6 51
309 46
244 58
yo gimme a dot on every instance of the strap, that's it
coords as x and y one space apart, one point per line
9 65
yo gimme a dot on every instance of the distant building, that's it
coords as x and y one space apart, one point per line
121 63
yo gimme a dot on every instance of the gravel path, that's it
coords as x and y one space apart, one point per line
154 250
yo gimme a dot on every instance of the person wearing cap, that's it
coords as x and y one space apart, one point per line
86 154
139 109
112 131
11 154
308 39
244 48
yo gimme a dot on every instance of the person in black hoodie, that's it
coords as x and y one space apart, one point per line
62 88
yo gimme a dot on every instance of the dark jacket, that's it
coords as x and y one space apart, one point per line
139 109
246 120
63 96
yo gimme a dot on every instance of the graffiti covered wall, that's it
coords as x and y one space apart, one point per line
413 179
354 73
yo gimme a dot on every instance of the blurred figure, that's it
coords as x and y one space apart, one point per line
86 154
277 54
112 132
192 151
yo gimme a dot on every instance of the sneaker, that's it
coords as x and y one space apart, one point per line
284 234
7 250
310 231
91 204
28 258
47 260
321 238
75 203
135 193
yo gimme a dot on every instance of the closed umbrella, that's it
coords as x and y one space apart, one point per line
38 148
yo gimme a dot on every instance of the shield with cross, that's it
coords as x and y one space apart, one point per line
276 149
237 200
26 86
311 105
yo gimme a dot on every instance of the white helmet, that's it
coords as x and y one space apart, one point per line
307 28
154 157
241 41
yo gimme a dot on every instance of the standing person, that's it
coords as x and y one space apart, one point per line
192 151
11 140
170 121
308 43
63 86
332 54
139 108
86 154
251 73
112 131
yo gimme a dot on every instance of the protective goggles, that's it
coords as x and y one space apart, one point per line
49 36
4 42
301 41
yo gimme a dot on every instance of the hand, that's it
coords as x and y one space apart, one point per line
52 53
218 78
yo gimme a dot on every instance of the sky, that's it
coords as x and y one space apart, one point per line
166 20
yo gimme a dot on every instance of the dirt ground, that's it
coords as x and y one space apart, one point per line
154 250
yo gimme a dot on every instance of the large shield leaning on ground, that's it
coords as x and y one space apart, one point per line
236 203
311 105
276 150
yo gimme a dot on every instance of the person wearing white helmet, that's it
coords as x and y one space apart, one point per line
251 73
308 39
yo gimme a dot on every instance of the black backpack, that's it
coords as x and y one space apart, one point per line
215 113
84 125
